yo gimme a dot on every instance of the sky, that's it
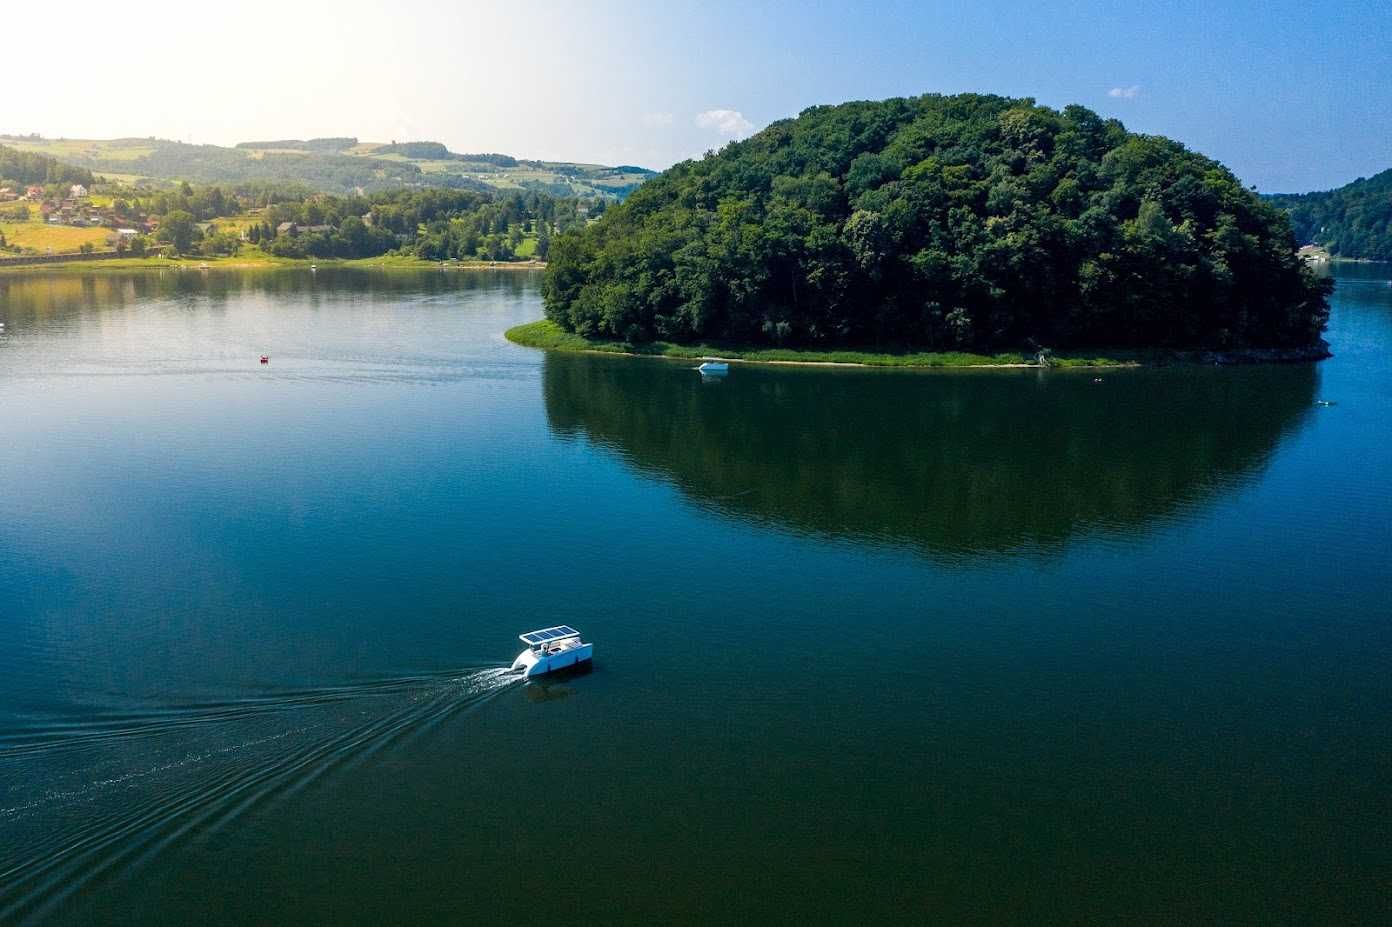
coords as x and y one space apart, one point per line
1291 96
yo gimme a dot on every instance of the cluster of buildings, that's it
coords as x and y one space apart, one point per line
9 195
294 228
76 208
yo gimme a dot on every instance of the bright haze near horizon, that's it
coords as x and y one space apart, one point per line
1291 96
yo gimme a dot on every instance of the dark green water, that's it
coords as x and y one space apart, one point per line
1000 645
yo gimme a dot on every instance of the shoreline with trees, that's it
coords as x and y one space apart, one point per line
48 220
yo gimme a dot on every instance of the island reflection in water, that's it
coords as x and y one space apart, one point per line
950 463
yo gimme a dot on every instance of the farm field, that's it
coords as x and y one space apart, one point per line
41 236
237 223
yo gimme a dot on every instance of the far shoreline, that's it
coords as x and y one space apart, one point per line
258 262
546 335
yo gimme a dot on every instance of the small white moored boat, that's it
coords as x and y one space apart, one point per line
551 649
715 367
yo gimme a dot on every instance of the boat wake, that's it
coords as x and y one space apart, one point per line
85 801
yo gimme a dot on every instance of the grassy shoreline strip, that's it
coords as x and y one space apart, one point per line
254 261
549 336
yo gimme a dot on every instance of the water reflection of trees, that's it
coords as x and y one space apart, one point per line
58 292
952 464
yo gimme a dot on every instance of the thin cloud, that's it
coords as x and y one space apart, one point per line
1125 93
729 122
657 120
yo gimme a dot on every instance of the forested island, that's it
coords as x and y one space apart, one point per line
1353 221
941 223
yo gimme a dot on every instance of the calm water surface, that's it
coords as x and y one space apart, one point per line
993 645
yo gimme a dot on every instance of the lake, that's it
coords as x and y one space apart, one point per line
969 645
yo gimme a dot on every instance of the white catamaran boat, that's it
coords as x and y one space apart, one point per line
551 649
714 368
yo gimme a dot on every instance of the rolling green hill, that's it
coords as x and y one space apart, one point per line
1354 221
337 165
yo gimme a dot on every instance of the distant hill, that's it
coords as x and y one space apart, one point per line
424 151
26 167
1354 221
313 144
334 165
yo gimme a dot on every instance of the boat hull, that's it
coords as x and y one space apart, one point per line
533 664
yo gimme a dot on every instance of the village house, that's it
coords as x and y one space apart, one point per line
126 234
33 192
6 195
286 228
319 228
77 191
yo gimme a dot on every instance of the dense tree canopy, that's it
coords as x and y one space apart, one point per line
1353 221
28 167
431 224
965 221
429 151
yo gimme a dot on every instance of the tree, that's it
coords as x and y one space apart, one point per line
354 237
179 229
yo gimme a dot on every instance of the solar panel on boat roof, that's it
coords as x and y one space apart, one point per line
549 634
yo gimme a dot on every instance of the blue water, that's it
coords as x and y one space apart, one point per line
1000 645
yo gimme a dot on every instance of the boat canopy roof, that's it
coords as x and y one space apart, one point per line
545 635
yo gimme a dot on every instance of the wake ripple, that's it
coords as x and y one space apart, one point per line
118 791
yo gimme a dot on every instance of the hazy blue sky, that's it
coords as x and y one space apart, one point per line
1292 96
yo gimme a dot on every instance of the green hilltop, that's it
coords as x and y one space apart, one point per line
968 223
